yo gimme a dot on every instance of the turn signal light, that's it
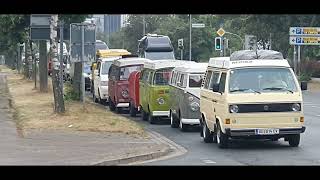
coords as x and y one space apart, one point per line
227 121
301 119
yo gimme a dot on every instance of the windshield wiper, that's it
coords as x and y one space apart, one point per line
235 90
277 88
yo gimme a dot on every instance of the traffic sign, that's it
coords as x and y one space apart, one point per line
304 31
304 40
198 25
221 32
40 26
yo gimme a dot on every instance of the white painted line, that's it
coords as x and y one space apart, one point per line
208 161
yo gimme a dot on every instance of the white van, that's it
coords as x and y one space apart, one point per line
251 97
101 78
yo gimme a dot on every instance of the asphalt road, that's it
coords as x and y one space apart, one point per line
246 152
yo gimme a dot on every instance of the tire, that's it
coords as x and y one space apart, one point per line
222 139
173 121
182 127
144 115
112 107
151 119
207 136
132 110
103 102
118 110
294 140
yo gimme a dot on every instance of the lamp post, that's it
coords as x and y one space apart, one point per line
238 37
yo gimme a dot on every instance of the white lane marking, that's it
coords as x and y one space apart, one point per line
208 161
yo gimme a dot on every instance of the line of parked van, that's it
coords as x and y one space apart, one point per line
247 95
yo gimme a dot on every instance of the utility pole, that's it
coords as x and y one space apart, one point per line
299 61
144 25
82 61
190 26
270 42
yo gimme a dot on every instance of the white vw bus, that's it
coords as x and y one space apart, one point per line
251 95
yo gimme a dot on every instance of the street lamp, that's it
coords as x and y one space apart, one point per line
238 37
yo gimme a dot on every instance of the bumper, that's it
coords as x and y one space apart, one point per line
160 113
122 105
104 92
190 121
252 132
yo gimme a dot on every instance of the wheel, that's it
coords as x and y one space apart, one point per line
294 140
112 107
132 110
173 121
183 127
118 110
103 102
151 119
222 139
144 115
207 136
94 98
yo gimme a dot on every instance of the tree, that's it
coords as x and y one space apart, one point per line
56 83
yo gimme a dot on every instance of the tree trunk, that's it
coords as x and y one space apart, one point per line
26 60
56 83
43 66
76 82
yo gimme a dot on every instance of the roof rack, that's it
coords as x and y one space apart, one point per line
129 55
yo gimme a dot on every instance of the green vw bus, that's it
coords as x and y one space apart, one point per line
154 88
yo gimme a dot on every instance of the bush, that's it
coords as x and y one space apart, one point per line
69 94
305 77
311 68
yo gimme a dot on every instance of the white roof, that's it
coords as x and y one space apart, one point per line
129 61
192 68
224 62
159 64
110 58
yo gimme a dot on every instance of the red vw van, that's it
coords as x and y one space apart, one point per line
134 93
118 81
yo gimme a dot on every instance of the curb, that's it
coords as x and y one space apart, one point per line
132 159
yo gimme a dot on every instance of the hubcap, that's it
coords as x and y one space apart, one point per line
218 135
171 118
204 130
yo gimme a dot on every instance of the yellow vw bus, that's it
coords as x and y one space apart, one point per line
251 95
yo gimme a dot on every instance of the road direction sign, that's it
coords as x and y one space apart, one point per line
304 40
198 25
221 32
40 26
304 31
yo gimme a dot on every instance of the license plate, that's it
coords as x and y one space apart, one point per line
267 131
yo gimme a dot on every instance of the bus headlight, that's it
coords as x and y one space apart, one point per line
190 98
234 108
160 101
296 107
194 106
125 94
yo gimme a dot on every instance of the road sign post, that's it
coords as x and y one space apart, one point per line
302 36
180 46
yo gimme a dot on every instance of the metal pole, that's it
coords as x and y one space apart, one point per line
221 50
82 60
181 54
270 41
61 55
223 46
190 37
294 59
144 25
299 61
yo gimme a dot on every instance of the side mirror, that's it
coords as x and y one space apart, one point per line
215 88
304 85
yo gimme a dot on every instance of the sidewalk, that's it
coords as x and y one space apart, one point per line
69 148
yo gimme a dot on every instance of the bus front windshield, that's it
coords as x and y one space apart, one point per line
161 77
126 71
159 55
261 80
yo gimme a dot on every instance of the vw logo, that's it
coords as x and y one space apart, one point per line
266 108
